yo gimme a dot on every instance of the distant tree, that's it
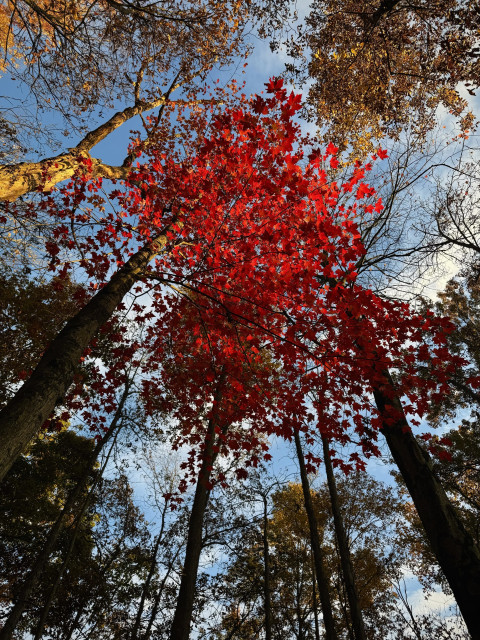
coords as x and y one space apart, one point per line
31 313
104 544
321 574
347 573
369 510
379 67
33 496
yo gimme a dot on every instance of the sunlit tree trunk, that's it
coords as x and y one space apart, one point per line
24 177
344 551
318 555
19 179
453 546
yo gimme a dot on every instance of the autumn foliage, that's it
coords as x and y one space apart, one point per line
258 277
382 67
229 284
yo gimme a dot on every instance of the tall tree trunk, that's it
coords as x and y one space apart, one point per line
345 558
266 573
183 611
22 417
148 580
184 607
158 595
314 601
41 561
18 179
453 546
318 556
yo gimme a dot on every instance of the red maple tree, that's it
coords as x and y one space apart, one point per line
257 234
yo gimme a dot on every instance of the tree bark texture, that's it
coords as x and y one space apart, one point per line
318 555
24 177
454 547
184 607
22 417
345 558
19 179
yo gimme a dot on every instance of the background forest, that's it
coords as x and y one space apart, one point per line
239 320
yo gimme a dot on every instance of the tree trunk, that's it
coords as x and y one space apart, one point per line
18 179
266 573
148 580
41 561
345 558
318 556
456 552
314 601
183 611
23 416
158 595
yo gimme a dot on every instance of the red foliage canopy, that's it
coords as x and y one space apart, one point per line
258 277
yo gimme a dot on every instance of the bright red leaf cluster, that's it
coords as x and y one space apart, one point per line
257 280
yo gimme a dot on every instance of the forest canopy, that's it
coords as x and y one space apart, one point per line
287 274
